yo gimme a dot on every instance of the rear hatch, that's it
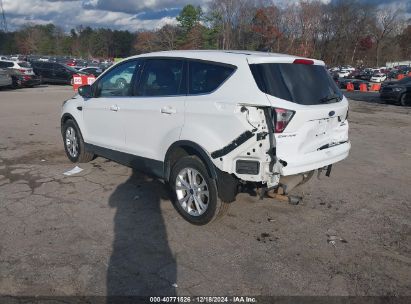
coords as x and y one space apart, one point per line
309 110
25 68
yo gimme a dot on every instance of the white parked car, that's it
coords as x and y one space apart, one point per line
343 73
209 121
17 67
348 68
378 78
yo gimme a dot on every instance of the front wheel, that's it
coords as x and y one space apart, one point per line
195 192
405 100
74 143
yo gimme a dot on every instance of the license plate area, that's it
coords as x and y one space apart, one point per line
323 127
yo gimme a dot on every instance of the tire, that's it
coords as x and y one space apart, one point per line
197 202
405 100
74 143
16 84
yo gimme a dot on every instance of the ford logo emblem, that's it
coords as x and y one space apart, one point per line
331 114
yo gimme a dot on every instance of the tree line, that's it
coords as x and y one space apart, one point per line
340 32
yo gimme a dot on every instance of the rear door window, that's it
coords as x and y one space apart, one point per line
37 65
5 64
162 77
47 66
205 77
304 84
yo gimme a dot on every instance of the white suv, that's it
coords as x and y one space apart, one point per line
209 121
18 67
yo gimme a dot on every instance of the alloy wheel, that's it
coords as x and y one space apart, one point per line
72 142
192 191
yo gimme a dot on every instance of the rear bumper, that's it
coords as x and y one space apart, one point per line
32 81
316 160
26 80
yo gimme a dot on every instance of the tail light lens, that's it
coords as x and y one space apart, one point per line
22 71
281 119
303 61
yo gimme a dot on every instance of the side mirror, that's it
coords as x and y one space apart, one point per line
85 91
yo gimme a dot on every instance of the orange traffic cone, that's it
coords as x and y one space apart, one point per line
375 87
350 87
363 87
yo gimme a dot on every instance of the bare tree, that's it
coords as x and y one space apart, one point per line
167 37
228 16
387 23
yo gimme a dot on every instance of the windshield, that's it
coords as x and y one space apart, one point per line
300 83
404 80
70 68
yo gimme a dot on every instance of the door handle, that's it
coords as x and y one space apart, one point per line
114 108
168 110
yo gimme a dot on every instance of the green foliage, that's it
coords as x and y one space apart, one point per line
82 41
189 17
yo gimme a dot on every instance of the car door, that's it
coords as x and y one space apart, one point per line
102 114
47 71
61 73
154 118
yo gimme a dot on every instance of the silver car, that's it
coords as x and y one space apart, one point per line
5 78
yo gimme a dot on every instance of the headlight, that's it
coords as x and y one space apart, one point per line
397 89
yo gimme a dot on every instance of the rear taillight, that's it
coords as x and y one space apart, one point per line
281 119
22 71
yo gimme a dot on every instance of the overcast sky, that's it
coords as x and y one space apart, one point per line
116 14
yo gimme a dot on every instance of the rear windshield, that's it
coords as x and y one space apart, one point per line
24 64
299 83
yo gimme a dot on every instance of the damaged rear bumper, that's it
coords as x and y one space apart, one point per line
315 160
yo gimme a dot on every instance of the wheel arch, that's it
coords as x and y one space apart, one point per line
226 183
67 116
183 148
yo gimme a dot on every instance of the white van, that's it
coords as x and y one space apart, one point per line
209 121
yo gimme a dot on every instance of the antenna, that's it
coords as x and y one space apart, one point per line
3 17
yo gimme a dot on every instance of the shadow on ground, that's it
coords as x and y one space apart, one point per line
141 262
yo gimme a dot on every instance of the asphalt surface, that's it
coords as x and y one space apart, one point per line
109 231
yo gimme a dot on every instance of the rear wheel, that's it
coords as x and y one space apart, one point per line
74 143
195 192
16 83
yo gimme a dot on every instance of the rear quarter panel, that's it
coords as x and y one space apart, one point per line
214 120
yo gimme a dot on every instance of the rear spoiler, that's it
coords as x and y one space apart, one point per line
283 59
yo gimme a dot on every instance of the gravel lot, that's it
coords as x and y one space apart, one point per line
110 231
